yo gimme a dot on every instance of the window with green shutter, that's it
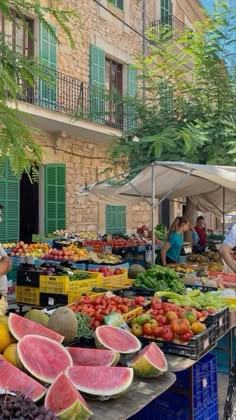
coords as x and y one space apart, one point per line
166 8
48 58
97 81
9 197
132 91
118 3
55 197
115 219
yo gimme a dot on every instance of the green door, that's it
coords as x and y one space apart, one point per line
55 197
97 82
48 58
115 219
9 198
132 91
166 10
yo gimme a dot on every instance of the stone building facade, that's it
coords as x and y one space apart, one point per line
108 38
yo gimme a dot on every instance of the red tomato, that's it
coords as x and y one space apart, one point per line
126 300
180 326
118 300
123 308
167 333
96 323
161 320
97 300
98 316
171 315
157 331
186 337
139 300
147 329
99 307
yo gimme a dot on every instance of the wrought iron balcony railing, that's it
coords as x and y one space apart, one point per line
65 94
176 27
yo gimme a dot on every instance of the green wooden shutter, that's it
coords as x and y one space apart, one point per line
48 58
9 197
166 8
97 81
115 219
132 91
55 197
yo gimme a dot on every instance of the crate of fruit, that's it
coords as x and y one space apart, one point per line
220 319
194 348
85 281
54 284
115 277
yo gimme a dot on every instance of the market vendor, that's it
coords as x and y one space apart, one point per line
170 251
5 267
201 231
227 247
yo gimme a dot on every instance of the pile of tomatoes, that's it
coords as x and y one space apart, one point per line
169 322
98 307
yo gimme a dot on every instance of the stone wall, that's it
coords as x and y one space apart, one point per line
84 162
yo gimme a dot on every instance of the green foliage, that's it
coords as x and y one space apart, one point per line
200 125
17 72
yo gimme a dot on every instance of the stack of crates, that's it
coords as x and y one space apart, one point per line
28 287
61 290
193 396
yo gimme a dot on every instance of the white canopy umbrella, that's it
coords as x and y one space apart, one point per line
209 188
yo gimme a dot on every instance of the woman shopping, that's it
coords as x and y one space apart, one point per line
171 250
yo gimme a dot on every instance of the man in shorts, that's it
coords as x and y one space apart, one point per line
5 267
226 249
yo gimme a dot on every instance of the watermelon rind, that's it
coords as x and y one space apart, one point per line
101 382
119 340
20 326
150 362
13 379
93 357
65 400
42 357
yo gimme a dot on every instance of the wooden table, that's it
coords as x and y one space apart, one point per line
140 394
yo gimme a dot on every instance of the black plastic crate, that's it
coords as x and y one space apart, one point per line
28 278
196 347
221 321
52 299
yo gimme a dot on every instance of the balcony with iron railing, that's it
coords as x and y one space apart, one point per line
79 100
170 23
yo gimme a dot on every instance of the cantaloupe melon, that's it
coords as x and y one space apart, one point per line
64 321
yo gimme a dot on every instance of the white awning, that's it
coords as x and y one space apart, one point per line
209 187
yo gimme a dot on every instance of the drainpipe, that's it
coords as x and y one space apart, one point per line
144 27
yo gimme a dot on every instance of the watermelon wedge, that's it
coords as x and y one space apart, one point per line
19 327
13 379
100 382
65 401
116 339
93 357
150 362
42 357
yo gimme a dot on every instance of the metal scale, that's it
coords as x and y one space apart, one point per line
186 249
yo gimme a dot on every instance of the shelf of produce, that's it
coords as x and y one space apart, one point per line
141 393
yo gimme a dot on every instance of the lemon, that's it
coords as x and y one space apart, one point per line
10 354
5 337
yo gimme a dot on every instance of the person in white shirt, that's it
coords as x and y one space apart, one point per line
226 249
5 267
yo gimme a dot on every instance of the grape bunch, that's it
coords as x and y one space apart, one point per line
18 407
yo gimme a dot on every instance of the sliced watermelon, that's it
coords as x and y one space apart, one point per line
65 401
150 362
42 357
116 339
102 382
93 357
20 327
13 379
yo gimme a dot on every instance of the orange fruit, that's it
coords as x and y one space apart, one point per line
5 337
10 354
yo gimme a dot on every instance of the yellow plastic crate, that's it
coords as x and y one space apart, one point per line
229 301
132 314
54 284
28 295
84 286
73 296
116 281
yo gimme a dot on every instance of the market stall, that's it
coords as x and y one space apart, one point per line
210 188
